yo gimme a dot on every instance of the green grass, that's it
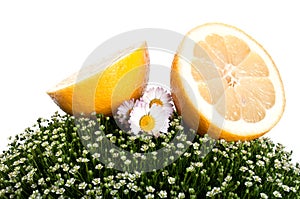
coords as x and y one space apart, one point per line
60 158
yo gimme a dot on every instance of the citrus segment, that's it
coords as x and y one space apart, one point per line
237 89
232 106
253 65
102 87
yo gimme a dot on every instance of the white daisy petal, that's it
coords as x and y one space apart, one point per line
138 111
161 116
159 92
165 127
148 95
160 97
123 111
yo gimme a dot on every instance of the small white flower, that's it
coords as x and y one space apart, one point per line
179 127
18 184
113 192
35 194
277 194
158 96
149 120
209 194
149 196
260 163
117 186
70 182
248 184
123 112
190 169
144 147
163 194
82 185
257 179
58 153
197 152
180 146
150 189
98 132
286 188
243 169
171 180
81 159
99 166
127 162
46 191
279 182
151 145
213 192
96 181
263 196
249 162
216 190
86 137
110 165
196 145
293 189
244 151
60 191
165 173
277 164
96 155
123 157
33 186
115 155
270 179
181 195
228 178
154 153
95 145
197 164
203 171
113 139
187 154
130 185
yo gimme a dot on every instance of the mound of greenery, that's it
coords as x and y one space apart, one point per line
61 158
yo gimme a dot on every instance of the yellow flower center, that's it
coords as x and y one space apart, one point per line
147 123
156 101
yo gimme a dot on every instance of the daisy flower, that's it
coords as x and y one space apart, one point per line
123 112
158 96
151 120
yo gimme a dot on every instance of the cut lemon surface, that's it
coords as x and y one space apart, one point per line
102 87
224 83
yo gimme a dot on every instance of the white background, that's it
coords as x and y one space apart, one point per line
43 42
